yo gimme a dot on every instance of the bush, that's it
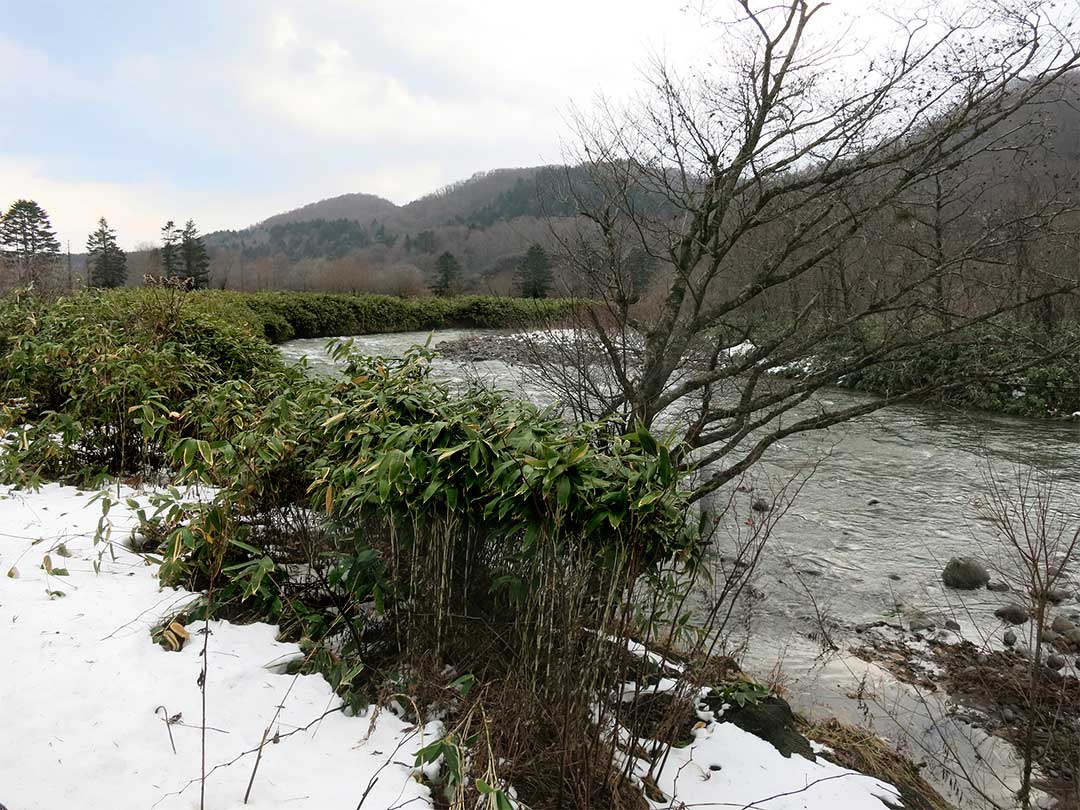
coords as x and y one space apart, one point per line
286 315
100 382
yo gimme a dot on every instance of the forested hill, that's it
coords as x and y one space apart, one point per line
365 242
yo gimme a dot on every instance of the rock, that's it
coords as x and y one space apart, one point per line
1008 715
760 505
1073 637
952 625
965 573
1012 613
772 720
920 622
1048 636
1055 596
894 577
1061 625
998 587
873 502
1009 638
1054 676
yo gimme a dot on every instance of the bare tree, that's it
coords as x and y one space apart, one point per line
742 187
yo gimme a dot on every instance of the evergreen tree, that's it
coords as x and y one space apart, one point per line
170 251
108 263
534 277
194 260
447 275
28 242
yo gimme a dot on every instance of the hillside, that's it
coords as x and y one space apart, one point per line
361 242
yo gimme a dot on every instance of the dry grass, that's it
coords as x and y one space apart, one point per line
862 750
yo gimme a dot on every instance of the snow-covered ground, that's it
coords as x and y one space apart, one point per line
85 693
81 684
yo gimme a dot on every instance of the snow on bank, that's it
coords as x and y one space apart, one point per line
726 764
81 683
84 693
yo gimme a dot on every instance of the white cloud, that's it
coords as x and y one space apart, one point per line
137 210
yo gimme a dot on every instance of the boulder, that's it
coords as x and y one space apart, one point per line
950 624
999 587
772 720
1055 661
1009 638
1012 613
965 573
1061 625
1073 637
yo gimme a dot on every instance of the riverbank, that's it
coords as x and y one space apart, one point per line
1043 389
96 710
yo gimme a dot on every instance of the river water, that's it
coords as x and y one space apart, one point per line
890 499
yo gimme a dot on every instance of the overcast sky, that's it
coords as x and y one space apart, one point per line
229 112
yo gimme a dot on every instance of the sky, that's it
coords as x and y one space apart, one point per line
229 111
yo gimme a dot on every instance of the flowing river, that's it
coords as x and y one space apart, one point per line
890 500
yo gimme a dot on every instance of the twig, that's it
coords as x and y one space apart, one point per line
168 725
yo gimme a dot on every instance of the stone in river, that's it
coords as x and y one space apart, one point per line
952 625
1009 638
1012 613
965 573
1000 587
1061 625
1055 661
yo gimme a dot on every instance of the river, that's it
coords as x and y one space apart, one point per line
890 501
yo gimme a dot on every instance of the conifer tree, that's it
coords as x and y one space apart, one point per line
108 263
194 260
447 275
534 277
170 251
28 242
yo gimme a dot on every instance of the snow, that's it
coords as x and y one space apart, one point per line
82 682
725 761
86 693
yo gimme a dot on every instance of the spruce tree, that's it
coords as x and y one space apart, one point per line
534 277
170 251
447 275
28 242
193 257
108 263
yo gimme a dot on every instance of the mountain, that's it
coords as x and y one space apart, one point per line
362 242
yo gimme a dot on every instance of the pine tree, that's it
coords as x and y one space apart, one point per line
447 275
170 251
28 242
194 260
534 277
108 263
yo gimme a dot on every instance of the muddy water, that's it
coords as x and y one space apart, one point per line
889 501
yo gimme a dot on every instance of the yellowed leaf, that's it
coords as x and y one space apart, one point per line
179 631
171 641
47 564
13 572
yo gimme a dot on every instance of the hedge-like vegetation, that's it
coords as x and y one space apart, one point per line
288 315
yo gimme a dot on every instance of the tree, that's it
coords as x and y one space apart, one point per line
30 247
746 182
194 260
534 277
108 263
171 260
447 280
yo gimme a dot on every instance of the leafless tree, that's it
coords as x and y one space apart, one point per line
743 185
